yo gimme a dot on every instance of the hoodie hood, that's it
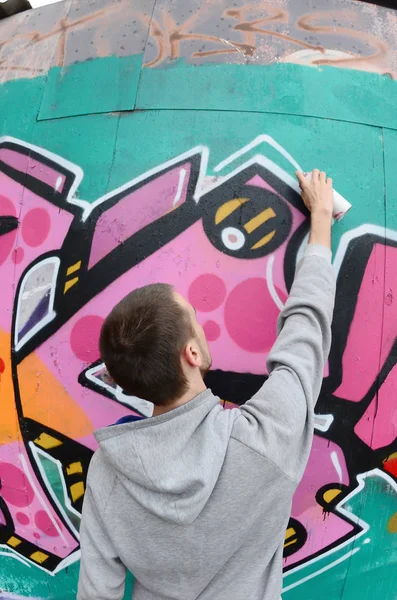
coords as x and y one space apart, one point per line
171 463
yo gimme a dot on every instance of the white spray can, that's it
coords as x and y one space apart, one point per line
341 205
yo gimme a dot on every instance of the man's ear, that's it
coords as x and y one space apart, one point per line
191 354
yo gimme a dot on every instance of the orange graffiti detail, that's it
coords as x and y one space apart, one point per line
46 401
309 23
392 524
61 29
275 16
169 37
9 426
251 25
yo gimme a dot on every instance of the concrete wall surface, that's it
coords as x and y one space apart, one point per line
128 132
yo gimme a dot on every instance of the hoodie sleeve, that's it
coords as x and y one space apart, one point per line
102 574
278 422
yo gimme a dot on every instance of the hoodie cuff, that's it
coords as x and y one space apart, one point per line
318 250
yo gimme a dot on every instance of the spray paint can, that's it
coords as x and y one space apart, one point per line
341 205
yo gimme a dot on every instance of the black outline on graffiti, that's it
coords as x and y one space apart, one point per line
232 386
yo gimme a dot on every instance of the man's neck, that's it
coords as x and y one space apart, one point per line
191 393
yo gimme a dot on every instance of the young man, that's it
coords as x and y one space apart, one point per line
195 500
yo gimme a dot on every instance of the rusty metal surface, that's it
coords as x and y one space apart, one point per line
342 33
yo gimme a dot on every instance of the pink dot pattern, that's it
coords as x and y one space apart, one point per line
16 488
84 338
251 315
7 241
44 523
212 330
36 226
207 292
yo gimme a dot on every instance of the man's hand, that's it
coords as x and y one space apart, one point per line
318 197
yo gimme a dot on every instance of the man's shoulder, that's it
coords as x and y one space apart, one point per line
101 479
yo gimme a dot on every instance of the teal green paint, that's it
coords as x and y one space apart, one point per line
55 484
88 142
95 86
113 149
310 141
19 104
17 578
371 572
390 151
353 96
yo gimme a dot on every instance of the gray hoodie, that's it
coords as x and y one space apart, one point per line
195 502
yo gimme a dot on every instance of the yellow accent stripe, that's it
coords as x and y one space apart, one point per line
392 524
390 457
330 495
257 221
73 268
265 240
14 542
70 284
290 531
226 209
77 490
39 557
73 468
47 441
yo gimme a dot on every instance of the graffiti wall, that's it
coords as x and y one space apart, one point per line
157 141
